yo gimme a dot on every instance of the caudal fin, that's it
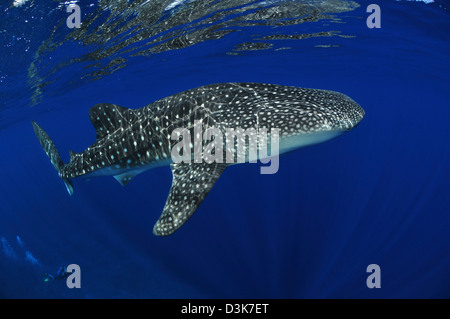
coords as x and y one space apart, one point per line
51 151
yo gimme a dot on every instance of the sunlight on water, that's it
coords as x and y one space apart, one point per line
117 31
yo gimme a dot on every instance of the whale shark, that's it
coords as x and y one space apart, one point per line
131 141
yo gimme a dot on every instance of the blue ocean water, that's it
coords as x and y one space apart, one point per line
376 195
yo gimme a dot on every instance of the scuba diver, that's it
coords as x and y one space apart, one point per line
60 274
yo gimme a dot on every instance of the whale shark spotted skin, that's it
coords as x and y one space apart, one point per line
130 141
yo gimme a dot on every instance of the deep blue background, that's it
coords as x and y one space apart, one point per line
378 194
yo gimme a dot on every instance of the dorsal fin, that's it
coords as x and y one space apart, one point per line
107 118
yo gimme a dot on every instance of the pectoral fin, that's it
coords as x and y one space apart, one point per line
190 184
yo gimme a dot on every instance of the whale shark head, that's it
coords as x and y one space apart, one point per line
302 116
335 111
301 111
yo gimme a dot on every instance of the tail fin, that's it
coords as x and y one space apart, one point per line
50 148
